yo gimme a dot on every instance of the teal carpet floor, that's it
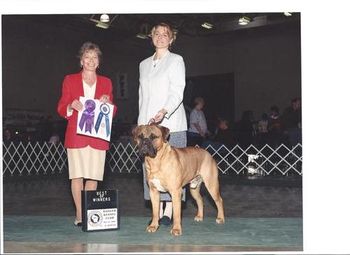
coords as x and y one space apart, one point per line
254 234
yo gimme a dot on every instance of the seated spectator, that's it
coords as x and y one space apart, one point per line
245 129
54 139
292 121
198 129
223 136
7 136
263 129
125 138
275 127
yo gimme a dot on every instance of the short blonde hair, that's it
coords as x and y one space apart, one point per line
170 31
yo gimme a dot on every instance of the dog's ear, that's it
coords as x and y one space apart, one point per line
135 133
165 132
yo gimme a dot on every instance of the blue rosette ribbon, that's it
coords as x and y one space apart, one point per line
104 111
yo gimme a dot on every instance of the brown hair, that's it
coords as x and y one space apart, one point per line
170 30
87 46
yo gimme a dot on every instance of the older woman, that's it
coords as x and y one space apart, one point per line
86 155
198 129
162 83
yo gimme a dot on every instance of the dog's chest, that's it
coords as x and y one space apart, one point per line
156 183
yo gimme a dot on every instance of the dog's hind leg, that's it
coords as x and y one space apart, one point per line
211 182
195 192
215 194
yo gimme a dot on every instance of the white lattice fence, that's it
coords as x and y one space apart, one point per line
123 158
33 158
258 160
43 158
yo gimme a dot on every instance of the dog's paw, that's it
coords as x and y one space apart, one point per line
220 220
152 229
198 218
176 231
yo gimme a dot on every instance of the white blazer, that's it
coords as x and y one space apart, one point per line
162 86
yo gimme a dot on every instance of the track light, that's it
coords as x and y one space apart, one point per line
287 14
207 25
144 31
103 21
244 20
104 18
142 36
102 25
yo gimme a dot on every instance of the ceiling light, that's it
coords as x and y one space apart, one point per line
287 14
207 25
104 18
102 25
103 21
142 36
244 21
144 31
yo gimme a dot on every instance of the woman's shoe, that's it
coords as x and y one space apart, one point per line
165 220
77 223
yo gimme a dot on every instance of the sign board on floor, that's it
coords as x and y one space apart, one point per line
100 210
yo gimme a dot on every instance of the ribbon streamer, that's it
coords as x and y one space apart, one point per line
87 117
104 110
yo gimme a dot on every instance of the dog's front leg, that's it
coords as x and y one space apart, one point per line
154 194
176 198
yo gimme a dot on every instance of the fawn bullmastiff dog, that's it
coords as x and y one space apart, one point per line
169 169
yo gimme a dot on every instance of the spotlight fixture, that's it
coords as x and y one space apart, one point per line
207 25
102 25
103 21
287 14
244 20
144 31
104 18
142 36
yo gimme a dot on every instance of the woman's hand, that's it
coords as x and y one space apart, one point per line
159 116
76 105
105 99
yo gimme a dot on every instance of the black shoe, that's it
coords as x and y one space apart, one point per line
78 223
165 220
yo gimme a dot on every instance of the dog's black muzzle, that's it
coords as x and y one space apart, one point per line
146 148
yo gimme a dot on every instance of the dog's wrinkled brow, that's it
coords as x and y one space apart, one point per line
153 136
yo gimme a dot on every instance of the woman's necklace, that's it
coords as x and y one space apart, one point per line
155 62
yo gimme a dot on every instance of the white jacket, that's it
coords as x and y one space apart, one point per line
161 87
